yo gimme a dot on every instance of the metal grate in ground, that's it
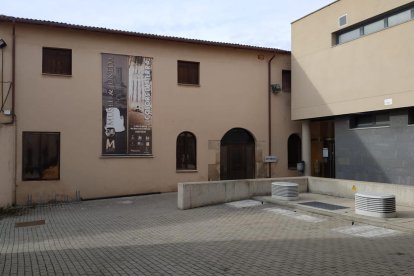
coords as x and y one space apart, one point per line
322 205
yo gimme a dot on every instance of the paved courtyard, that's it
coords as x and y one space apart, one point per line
148 235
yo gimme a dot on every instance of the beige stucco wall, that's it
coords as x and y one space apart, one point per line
282 125
352 77
233 93
7 134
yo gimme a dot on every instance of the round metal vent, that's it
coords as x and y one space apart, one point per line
285 190
375 205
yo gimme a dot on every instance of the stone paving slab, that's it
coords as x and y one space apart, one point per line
367 231
294 214
244 203
148 235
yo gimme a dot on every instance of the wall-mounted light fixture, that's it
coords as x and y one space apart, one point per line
276 88
2 43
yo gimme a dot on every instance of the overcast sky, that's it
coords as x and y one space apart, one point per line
258 22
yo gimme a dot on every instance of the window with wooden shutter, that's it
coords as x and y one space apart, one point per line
188 72
57 61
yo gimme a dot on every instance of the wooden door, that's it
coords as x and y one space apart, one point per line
237 159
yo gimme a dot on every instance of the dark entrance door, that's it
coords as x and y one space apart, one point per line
329 158
237 155
323 148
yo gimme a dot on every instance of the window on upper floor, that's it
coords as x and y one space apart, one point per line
373 119
41 156
374 27
188 72
186 151
375 24
286 80
348 36
57 61
400 17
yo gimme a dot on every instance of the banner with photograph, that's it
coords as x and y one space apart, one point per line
126 105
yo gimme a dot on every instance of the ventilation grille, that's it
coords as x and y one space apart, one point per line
343 20
375 205
285 190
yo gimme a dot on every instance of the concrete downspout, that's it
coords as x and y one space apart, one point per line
269 93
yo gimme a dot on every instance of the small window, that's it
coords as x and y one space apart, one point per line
188 72
348 36
186 151
370 120
376 24
343 20
374 27
57 61
399 18
41 156
294 151
286 80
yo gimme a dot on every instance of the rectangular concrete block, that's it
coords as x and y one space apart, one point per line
207 193
260 187
197 194
404 194
183 196
236 190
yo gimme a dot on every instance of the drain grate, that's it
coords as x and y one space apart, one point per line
323 205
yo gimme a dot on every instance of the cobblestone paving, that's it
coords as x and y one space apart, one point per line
148 235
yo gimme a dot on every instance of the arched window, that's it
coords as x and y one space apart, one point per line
186 151
294 151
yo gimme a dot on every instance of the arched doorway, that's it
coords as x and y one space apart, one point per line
237 155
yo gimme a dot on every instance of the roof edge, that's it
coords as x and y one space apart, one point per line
324 7
6 18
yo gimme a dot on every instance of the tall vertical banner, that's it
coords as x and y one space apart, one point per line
126 105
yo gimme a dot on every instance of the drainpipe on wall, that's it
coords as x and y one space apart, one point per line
269 108
2 78
13 71
13 109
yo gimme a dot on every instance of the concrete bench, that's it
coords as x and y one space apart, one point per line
375 205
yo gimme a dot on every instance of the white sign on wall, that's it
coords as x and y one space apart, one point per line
388 102
270 159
